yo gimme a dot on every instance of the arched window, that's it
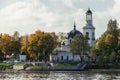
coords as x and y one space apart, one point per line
61 58
93 36
87 35
63 43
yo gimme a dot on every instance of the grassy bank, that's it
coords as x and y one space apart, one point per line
4 66
20 64
104 66
38 67
65 64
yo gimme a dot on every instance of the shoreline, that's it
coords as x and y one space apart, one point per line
65 70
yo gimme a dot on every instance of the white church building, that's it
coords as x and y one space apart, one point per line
64 53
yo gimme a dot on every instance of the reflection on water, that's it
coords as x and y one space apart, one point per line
59 75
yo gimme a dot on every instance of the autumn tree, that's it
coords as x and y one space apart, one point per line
42 44
24 40
24 43
5 41
10 44
108 44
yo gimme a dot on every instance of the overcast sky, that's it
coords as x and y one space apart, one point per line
27 16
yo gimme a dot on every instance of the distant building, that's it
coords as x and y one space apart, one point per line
22 57
63 53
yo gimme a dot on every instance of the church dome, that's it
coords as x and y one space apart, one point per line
89 11
73 32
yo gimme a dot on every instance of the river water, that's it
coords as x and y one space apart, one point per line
60 75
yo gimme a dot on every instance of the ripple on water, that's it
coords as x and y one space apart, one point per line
59 75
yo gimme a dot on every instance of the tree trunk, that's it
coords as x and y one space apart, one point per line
81 58
50 57
73 57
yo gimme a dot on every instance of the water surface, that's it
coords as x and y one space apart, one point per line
60 75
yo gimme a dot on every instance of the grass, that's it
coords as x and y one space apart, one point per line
65 64
20 64
6 64
38 67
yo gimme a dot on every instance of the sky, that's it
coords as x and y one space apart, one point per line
27 16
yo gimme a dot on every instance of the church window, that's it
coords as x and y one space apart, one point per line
63 43
62 58
93 36
87 34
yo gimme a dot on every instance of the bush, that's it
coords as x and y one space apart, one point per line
104 66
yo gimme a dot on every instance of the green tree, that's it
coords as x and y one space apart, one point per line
48 44
79 45
15 44
113 57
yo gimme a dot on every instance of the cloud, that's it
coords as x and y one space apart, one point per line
69 3
101 18
53 15
27 17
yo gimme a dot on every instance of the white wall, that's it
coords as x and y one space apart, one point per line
65 54
22 57
90 41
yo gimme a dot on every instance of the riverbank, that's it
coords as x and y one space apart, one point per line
65 70
61 67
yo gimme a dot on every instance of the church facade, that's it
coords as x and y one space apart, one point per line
64 53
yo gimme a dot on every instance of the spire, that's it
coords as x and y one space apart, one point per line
74 26
88 8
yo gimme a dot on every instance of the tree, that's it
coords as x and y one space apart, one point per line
35 44
108 44
48 45
10 44
42 44
79 45
15 44
5 43
1 56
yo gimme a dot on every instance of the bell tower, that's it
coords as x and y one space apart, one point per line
89 29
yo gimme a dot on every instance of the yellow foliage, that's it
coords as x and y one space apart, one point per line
119 40
6 36
100 40
108 37
32 56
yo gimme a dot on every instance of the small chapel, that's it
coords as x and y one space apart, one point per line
64 53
